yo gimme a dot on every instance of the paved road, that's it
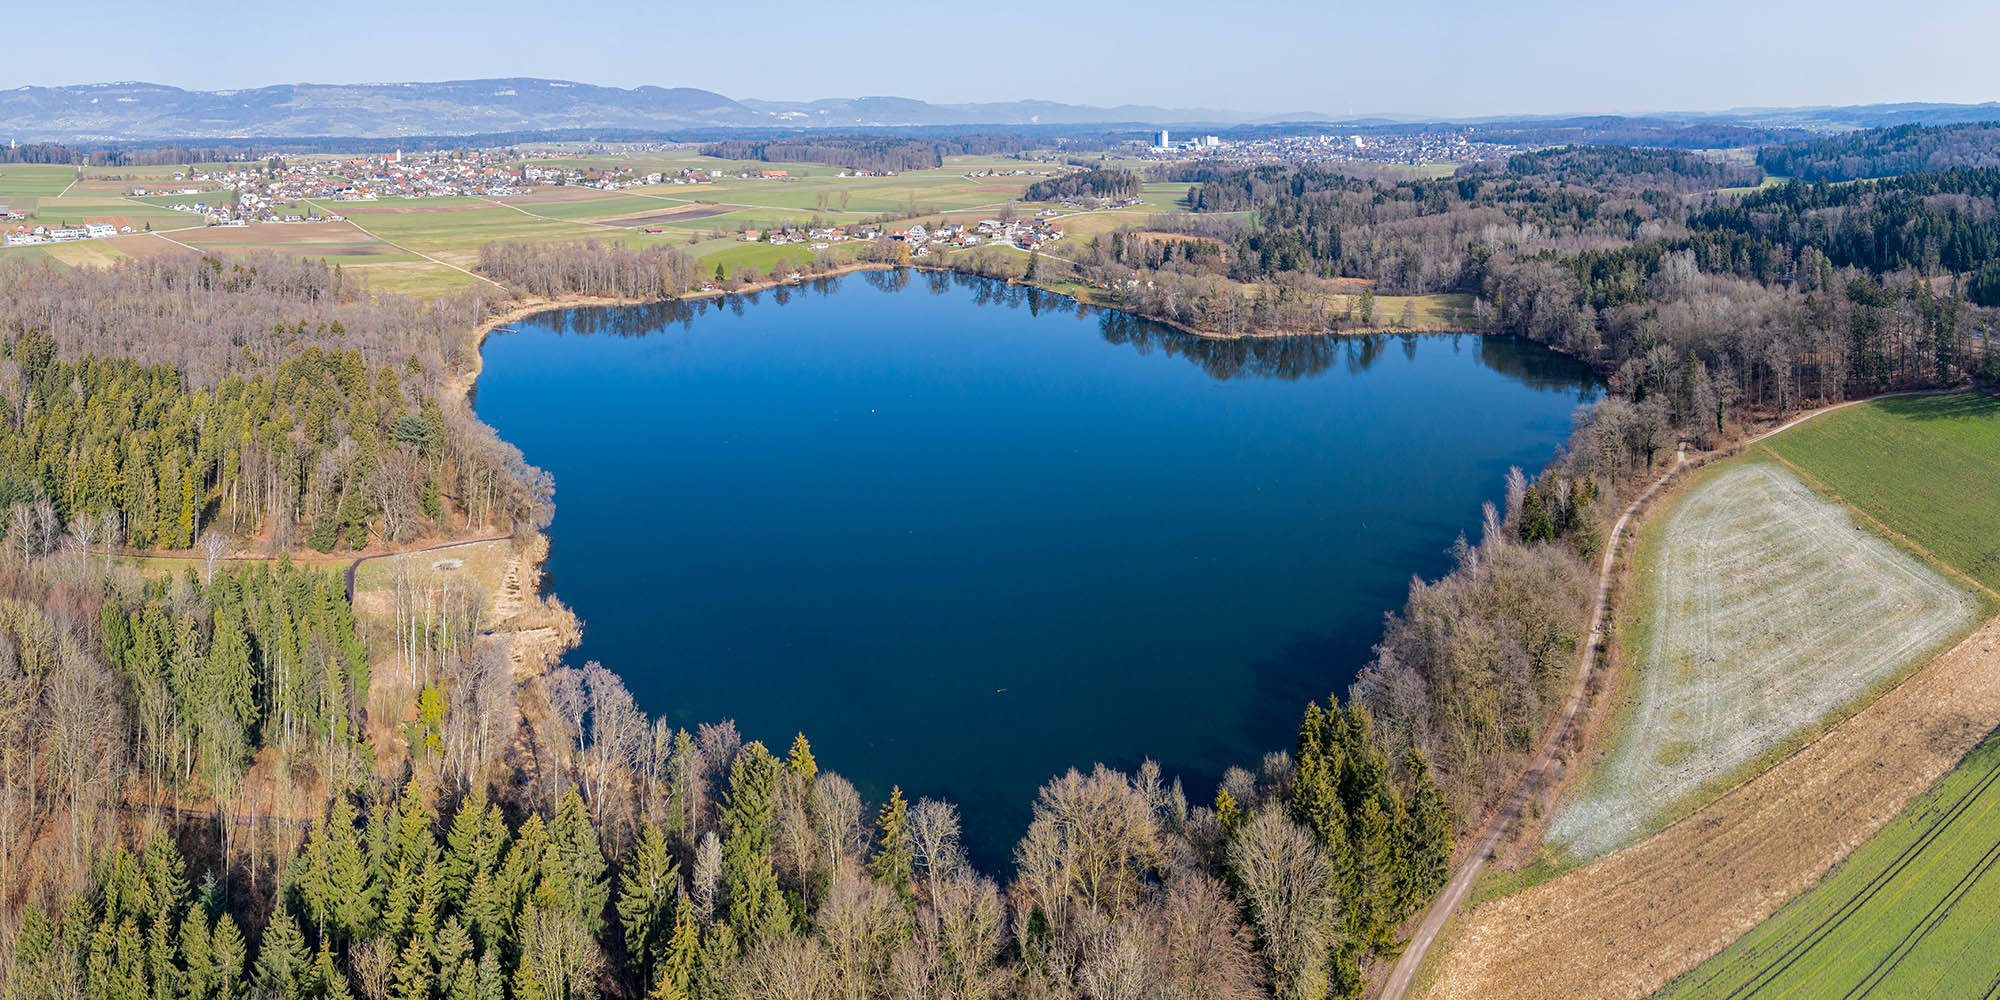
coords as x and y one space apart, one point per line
1455 891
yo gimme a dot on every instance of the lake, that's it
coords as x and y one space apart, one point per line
966 535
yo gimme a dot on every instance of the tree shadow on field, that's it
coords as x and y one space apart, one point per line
1954 406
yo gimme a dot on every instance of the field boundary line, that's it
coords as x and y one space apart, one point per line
364 231
1875 525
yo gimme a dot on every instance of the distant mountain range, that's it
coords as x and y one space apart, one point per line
141 112
110 112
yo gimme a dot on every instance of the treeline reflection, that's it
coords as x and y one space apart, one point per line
1295 357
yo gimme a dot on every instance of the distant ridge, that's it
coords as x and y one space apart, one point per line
140 112
112 112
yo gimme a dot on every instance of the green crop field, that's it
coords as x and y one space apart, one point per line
1914 912
1928 467
1764 610
35 179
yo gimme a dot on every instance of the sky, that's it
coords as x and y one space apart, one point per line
1436 58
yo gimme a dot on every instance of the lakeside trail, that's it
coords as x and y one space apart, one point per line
1530 782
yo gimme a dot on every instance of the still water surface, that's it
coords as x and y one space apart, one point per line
965 536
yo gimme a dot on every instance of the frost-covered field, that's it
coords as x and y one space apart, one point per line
1767 607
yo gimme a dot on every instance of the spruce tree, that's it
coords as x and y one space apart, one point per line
800 759
582 862
680 959
646 903
894 857
227 955
754 905
281 956
1428 862
411 978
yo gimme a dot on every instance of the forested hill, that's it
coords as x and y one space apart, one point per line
273 400
1104 184
866 152
1885 152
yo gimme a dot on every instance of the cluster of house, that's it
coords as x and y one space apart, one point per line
614 179
1459 146
1027 235
27 236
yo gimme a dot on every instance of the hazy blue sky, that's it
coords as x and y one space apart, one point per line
1438 57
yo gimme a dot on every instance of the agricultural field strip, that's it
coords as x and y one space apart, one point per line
420 253
1631 921
1772 609
1799 931
1602 928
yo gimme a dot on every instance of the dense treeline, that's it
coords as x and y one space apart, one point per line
1886 152
1652 169
125 694
867 152
1109 185
272 399
150 156
590 268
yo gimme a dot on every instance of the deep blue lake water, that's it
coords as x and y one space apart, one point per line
966 536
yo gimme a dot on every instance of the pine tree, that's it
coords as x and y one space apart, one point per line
646 903
894 857
1227 812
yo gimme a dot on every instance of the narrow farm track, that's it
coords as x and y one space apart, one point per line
1628 923
1397 986
1530 781
356 564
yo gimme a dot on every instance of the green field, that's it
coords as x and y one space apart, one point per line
1927 467
35 180
699 219
1912 913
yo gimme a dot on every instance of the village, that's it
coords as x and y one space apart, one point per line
1427 147
1033 234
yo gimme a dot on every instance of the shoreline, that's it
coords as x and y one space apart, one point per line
459 387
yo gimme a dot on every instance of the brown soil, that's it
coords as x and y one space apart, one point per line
279 232
1625 925
669 215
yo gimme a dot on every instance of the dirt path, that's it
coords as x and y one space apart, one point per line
1530 781
1627 924
442 263
356 564
1563 956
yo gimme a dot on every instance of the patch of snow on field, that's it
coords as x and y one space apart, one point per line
1772 608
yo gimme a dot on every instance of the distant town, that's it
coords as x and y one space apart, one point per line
1458 146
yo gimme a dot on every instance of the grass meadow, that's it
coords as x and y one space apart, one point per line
1926 467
